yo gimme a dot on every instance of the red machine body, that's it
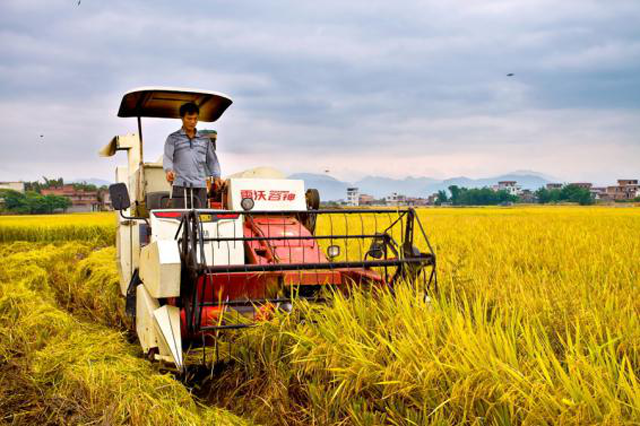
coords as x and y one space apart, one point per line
269 240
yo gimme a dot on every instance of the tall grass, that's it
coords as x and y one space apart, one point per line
537 322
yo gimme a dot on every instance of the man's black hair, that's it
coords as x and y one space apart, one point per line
189 108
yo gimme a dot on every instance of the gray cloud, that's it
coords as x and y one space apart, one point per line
407 87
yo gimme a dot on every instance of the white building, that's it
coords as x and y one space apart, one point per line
353 196
511 186
598 193
395 199
14 186
392 199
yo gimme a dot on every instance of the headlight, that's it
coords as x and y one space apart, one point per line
247 204
333 251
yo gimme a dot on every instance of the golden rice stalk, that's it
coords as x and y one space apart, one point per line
537 322
74 372
98 228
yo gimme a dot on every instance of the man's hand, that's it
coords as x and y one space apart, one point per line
170 176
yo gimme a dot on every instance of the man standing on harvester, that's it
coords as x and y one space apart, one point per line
189 158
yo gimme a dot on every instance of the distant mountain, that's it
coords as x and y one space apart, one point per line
334 189
538 174
382 186
329 188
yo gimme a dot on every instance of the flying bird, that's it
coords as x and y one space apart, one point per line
79 1
510 74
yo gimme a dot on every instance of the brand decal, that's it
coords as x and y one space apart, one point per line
271 195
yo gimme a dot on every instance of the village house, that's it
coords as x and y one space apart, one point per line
552 186
395 199
13 186
583 185
627 189
511 186
527 196
366 200
81 201
417 201
106 200
598 193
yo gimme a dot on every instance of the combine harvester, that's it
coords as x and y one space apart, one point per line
190 273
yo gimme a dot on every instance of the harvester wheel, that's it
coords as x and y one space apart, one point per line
312 197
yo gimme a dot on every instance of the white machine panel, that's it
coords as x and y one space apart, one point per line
145 305
268 194
160 268
167 326
152 179
216 253
127 251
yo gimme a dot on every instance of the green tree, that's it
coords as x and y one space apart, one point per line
455 194
38 186
570 193
84 186
576 194
441 197
32 202
548 196
483 197
13 200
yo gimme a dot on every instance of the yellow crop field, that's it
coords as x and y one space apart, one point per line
536 321
64 227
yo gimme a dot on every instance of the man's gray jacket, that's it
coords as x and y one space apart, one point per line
191 160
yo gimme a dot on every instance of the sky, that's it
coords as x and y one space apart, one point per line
357 88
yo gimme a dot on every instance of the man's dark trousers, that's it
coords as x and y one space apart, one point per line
199 198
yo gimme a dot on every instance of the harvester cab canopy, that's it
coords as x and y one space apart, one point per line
165 102
162 102
158 102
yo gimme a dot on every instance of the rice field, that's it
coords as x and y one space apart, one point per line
536 321
96 227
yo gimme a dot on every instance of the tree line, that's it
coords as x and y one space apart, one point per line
32 202
568 193
461 196
38 186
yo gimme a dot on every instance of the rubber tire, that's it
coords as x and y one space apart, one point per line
313 199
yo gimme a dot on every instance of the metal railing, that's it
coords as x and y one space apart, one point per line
374 247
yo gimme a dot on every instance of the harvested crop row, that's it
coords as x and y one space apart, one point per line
58 370
90 289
